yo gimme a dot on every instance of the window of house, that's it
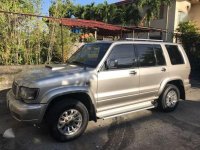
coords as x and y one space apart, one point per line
182 16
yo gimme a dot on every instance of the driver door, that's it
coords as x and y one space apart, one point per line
118 83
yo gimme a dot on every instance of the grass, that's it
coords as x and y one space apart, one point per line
1 79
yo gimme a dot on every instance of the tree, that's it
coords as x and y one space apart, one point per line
152 8
190 38
133 16
61 8
11 44
60 45
119 16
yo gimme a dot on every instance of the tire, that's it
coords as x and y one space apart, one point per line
167 103
75 116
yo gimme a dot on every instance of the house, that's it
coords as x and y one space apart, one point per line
170 17
194 13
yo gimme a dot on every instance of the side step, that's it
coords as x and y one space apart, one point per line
125 110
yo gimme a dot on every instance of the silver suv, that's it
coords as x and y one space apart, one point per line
101 80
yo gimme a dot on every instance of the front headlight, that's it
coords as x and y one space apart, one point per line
28 93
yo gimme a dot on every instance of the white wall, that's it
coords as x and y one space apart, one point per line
176 6
161 23
194 14
191 12
183 6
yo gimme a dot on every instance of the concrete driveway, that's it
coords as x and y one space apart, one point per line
147 129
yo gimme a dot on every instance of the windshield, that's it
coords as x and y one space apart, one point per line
89 55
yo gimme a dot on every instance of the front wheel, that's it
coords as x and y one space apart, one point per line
68 120
169 99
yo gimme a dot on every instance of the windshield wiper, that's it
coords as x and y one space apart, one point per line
77 63
80 64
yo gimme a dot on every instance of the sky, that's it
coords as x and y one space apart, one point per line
47 3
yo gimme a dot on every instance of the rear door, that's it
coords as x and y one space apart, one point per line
179 67
152 67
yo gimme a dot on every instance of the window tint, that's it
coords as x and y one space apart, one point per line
146 55
124 56
175 55
159 55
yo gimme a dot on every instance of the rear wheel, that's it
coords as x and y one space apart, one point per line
67 120
169 99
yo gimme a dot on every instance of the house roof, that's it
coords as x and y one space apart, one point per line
103 28
89 24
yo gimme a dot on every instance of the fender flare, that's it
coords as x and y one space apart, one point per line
165 82
51 95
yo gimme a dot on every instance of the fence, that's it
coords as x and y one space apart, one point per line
34 39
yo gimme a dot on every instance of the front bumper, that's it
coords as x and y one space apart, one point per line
25 112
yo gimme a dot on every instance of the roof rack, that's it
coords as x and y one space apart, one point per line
150 40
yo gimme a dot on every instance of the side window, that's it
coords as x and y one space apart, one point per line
121 57
146 55
159 55
174 54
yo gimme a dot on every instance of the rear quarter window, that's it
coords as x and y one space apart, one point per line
175 55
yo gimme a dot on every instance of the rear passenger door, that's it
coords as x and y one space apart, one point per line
152 67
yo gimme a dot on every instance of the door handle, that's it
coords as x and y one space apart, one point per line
133 72
163 69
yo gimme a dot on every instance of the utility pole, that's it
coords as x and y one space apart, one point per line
62 42
167 24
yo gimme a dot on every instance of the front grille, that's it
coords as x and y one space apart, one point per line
15 89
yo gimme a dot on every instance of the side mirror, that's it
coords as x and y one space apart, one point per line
111 64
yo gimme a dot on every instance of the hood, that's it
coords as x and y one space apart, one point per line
49 74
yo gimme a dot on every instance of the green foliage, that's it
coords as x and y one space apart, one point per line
152 7
87 38
32 40
124 15
188 27
189 34
105 12
190 38
11 44
60 8
132 14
